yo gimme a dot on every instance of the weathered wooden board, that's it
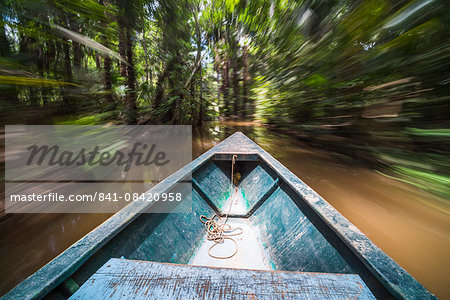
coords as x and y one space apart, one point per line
131 279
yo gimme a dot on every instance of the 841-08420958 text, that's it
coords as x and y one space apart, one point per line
101 197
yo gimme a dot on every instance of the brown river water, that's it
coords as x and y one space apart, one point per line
410 225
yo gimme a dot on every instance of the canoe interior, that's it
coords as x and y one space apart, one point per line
286 227
278 234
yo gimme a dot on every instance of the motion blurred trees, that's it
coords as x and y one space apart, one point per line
366 78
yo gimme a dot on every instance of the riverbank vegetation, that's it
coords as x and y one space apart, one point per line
366 78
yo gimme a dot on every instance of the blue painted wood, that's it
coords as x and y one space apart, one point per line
175 238
135 234
214 183
293 242
197 187
393 277
46 279
264 197
239 157
127 279
254 185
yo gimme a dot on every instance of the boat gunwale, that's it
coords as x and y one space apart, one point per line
60 268
392 276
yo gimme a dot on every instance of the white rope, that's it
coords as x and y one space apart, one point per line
218 231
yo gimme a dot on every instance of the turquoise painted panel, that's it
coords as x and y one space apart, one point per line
176 237
255 185
292 241
214 183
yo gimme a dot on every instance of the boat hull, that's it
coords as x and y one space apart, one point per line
286 227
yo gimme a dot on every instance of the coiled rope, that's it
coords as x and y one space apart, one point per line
218 230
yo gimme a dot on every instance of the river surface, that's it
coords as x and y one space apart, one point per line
410 225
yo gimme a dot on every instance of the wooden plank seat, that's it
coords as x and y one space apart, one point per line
132 279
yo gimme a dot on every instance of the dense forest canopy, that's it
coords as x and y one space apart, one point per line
367 78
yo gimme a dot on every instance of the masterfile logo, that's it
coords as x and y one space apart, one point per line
141 154
96 152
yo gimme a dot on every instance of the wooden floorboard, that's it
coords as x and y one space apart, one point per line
131 279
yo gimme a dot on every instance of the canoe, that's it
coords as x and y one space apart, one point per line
282 240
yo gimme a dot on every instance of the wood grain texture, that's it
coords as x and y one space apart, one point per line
130 279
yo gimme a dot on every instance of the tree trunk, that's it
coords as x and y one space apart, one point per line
144 45
68 101
245 80
122 49
107 79
67 60
107 64
225 85
24 47
4 43
159 94
200 113
50 56
131 93
98 64
217 68
40 63
77 54
235 87
199 64
8 93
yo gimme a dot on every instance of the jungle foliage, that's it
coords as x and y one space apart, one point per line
366 78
